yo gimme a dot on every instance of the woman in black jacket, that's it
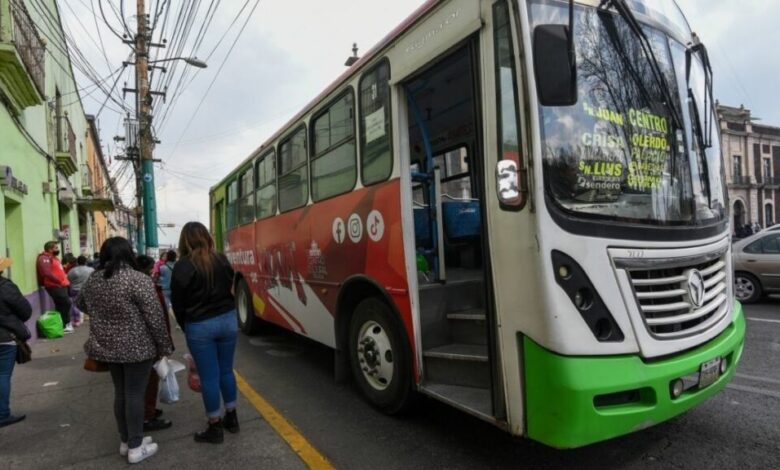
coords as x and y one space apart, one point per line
127 331
14 311
202 298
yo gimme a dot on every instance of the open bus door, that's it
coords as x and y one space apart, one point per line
447 170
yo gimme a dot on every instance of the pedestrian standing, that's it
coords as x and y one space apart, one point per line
202 296
78 277
68 262
153 420
127 332
14 311
156 270
93 263
166 271
52 277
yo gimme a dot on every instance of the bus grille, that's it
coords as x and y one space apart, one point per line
665 300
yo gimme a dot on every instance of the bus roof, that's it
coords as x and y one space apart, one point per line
344 77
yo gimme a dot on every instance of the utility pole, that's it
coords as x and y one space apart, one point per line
145 139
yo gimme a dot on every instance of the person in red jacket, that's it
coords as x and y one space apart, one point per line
52 277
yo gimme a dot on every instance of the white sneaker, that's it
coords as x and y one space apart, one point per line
123 445
68 328
142 452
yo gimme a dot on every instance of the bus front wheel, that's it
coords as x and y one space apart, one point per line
380 356
247 320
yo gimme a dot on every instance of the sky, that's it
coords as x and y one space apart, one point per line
289 51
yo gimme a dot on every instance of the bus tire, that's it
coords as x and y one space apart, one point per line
245 312
380 356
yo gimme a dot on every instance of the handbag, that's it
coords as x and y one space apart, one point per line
23 351
93 365
193 378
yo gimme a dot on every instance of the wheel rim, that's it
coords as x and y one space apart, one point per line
375 354
242 313
744 288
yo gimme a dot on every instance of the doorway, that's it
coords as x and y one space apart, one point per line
446 162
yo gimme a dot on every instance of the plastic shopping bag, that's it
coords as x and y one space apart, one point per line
169 386
50 325
193 378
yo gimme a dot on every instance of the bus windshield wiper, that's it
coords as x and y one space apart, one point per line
703 138
625 13
704 133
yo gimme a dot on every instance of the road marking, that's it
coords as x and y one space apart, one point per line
763 319
761 391
310 456
758 379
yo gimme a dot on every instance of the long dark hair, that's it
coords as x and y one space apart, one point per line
115 254
196 244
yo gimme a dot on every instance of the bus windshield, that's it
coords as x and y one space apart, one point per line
623 152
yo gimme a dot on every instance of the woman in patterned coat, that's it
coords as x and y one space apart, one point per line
127 332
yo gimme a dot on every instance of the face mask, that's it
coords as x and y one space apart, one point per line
56 252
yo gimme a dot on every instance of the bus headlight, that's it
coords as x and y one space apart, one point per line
572 278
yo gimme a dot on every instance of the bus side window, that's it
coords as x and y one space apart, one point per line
333 165
506 84
265 190
293 172
246 201
376 155
231 204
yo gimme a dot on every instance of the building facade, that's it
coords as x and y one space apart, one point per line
98 196
49 190
751 157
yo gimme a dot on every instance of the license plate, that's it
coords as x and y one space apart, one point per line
709 372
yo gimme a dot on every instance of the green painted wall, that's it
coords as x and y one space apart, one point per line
27 221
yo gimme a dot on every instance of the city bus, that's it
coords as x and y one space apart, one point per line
515 207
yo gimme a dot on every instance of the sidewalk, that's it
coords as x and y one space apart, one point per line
70 421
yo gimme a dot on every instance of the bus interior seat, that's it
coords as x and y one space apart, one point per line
461 218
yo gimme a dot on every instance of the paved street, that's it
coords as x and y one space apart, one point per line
738 428
69 422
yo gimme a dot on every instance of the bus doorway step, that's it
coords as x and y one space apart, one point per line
472 400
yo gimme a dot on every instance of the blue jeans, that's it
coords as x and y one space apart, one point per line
7 362
212 343
167 295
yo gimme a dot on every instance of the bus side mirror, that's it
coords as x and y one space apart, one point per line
555 65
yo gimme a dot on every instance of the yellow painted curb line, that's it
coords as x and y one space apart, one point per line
310 456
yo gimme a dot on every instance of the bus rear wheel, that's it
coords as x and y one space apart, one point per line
380 356
245 311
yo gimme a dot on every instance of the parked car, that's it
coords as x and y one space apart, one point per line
756 262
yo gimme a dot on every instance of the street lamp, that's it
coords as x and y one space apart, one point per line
194 61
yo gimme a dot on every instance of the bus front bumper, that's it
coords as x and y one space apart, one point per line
575 401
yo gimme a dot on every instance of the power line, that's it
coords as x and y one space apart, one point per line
78 60
105 20
174 100
108 95
216 75
97 28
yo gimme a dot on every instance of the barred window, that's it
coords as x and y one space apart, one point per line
333 165
246 201
232 219
376 156
293 172
265 190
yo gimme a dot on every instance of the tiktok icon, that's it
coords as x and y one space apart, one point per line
376 225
